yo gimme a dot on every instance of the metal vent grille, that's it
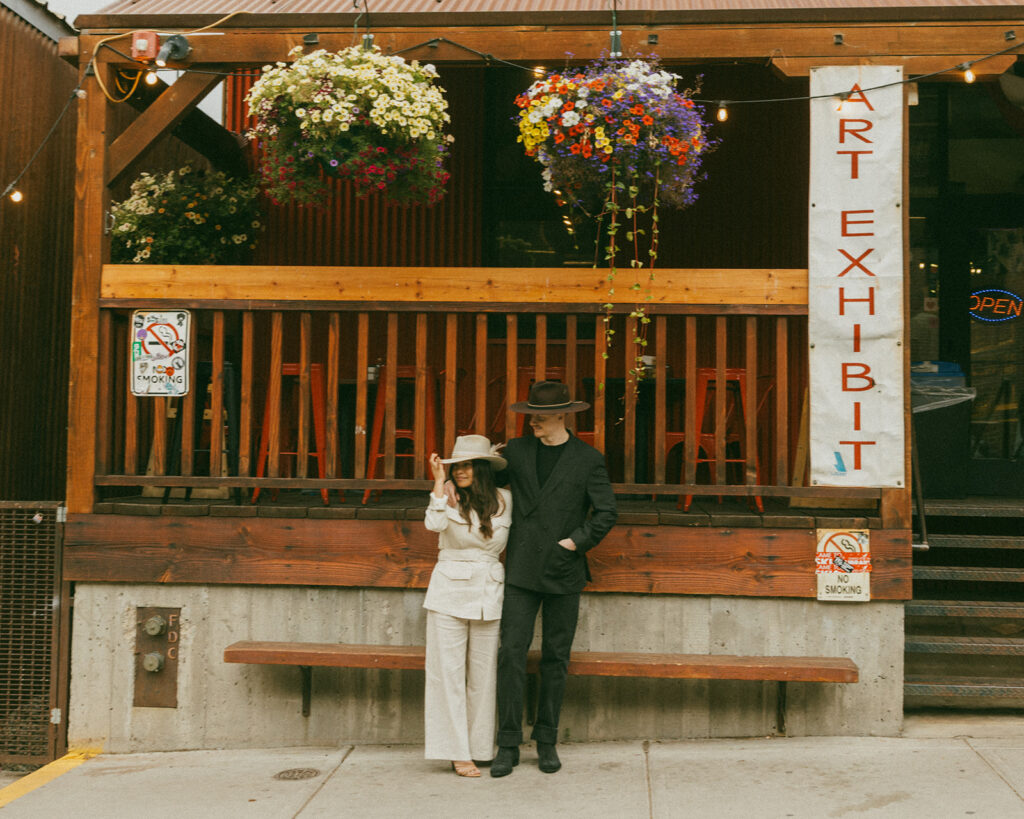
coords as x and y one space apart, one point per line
30 608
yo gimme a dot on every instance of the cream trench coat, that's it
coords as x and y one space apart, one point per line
468 580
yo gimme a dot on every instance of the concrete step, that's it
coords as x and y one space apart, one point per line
969 573
997 646
963 608
975 508
953 687
975 542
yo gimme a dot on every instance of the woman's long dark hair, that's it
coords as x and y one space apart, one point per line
481 496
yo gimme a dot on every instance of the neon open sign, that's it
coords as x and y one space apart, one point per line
995 305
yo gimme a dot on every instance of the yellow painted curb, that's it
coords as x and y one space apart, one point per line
47 773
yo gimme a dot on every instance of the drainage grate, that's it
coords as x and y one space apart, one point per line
298 773
30 597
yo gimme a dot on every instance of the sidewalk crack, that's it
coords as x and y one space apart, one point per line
327 778
647 776
995 770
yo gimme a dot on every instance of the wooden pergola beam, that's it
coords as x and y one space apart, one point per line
706 43
162 116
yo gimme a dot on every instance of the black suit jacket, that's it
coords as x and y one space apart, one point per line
576 501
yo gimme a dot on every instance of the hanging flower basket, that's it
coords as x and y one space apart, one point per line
186 217
617 141
375 120
621 117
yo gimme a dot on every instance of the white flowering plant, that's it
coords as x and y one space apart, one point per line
186 217
357 114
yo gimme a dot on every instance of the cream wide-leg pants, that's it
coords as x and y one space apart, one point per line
459 701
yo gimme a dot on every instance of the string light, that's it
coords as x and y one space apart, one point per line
16 195
723 111
151 78
969 75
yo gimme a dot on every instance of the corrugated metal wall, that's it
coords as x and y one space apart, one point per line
347 230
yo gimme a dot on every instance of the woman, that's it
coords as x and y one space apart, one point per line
463 604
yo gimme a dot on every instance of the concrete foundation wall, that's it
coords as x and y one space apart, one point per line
223 705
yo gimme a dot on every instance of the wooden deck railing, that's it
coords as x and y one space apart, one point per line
463 365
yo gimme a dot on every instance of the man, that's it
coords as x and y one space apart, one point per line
556 480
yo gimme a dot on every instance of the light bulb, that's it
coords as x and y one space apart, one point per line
16 195
723 112
969 76
151 78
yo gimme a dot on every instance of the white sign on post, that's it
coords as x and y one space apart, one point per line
855 277
842 564
160 352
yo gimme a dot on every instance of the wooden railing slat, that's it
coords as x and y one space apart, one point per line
781 401
511 372
750 411
451 340
629 402
660 396
246 393
600 374
273 414
331 399
302 444
217 397
391 394
131 434
419 424
187 407
540 353
158 449
721 389
571 365
690 404
362 364
480 377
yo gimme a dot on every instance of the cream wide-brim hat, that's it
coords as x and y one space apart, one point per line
476 448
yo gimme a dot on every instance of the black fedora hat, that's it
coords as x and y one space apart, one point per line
549 397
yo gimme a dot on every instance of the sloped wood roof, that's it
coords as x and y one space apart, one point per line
540 12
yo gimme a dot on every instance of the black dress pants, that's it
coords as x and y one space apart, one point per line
559 613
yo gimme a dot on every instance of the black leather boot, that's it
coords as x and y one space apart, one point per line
547 758
505 760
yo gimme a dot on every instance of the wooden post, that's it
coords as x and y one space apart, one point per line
895 504
91 250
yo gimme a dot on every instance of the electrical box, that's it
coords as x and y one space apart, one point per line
157 644
145 45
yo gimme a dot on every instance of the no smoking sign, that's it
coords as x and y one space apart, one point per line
842 564
160 352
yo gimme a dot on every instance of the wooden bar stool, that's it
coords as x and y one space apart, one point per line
406 373
706 381
318 401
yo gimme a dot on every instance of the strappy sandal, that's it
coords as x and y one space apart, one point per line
465 769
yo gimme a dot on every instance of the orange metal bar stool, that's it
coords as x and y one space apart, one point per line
316 385
706 380
407 374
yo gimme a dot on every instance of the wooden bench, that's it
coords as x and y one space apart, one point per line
582 663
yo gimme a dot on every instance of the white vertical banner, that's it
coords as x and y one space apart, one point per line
855 298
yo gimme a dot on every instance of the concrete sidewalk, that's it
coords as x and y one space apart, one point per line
941 767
